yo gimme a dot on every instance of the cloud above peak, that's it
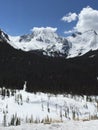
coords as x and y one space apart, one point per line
69 31
40 29
69 17
87 20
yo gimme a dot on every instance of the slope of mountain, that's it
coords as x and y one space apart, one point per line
82 43
3 37
78 75
45 39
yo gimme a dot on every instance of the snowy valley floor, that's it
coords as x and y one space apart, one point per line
20 110
69 125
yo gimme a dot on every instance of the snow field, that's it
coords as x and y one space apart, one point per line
45 108
68 125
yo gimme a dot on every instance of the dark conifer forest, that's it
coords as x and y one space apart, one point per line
48 74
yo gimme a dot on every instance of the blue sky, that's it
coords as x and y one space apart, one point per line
17 17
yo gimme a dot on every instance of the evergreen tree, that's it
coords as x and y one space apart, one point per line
31 119
27 100
12 120
61 113
26 119
5 112
21 101
73 115
48 109
18 122
4 119
8 93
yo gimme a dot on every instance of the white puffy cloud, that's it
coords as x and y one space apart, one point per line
47 29
69 31
87 20
69 17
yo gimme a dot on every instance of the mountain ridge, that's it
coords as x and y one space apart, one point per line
47 40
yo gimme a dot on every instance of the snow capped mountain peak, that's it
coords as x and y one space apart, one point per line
45 31
50 43
3 36
83 42
46 35
45 39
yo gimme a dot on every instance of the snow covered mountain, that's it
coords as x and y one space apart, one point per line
45 39
48 41
3 37
83 42
51 44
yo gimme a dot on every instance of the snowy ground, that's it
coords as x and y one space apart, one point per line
69 125
37 110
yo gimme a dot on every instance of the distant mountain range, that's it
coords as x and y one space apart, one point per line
51 44
49 62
